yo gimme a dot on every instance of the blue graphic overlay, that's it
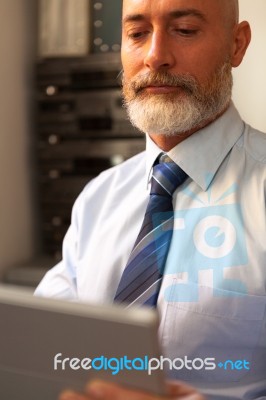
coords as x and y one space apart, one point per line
210 237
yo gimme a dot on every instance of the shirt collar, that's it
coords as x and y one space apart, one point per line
202 153
152 152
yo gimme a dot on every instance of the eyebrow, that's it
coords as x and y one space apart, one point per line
172 14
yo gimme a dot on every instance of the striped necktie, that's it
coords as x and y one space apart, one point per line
141 279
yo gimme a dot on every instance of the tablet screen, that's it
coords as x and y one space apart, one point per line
48 345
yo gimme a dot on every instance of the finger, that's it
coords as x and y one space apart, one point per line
109 391
102 390
179 390
70 395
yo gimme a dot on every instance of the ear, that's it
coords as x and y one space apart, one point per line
242 37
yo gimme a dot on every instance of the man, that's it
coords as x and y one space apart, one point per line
177 57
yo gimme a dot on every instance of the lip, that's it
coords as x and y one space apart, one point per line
155 89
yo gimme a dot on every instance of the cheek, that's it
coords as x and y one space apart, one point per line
132 58
131 62
199 65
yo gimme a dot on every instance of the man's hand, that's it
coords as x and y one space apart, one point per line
99 390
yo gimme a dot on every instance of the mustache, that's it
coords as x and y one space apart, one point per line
183 81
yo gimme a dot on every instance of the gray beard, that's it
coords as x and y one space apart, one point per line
174 114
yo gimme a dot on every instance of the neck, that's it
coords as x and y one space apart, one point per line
166 143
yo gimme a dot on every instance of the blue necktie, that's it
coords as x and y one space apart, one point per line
141 279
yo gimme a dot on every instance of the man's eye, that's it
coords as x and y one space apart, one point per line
136 35
187 32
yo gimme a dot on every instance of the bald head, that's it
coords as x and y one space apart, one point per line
236 9
230 8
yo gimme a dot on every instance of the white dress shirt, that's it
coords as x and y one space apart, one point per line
213 296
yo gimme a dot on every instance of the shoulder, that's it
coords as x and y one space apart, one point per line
253 142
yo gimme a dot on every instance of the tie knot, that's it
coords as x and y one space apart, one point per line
166 177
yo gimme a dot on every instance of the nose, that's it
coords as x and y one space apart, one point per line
159 55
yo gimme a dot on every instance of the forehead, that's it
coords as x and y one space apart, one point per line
208 8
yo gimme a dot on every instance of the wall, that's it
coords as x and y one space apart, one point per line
250 77
17 47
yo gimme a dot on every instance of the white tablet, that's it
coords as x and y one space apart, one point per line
47 345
